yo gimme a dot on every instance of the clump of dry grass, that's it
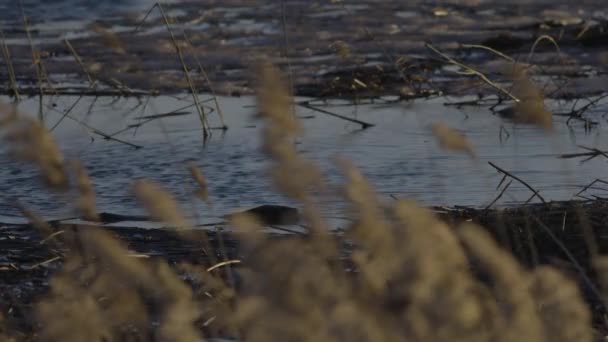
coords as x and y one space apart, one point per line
202 191
85 203
159 203
31 142
102 294
452 140
531 107
558 302
282 128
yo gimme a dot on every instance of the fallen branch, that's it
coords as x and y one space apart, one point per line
588 186
96 131
508 174
499 195
364 125
591 154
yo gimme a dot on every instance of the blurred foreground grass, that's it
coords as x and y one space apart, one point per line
407 276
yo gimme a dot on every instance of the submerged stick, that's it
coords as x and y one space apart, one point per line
96 131
364 125
499 196
506 173
67 112
588 186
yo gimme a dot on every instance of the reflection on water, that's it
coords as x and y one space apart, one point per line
398 155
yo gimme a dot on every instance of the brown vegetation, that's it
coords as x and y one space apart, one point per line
407 277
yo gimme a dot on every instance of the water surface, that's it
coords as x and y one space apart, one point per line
399 155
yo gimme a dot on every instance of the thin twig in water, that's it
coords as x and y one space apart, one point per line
499 195
506 173
69 110
364 125
588 186
96 131
593 153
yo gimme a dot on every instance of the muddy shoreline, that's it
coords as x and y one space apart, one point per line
539 234
365 49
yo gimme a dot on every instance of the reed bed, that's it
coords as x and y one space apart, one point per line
398 273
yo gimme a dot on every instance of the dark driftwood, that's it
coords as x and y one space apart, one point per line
506 173
364 125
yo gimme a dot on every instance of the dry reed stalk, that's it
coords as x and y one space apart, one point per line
160 204
30 141
79 61
36 62
600 265
209 84
280 131
431 257
561 307
203 191
467 70
531 107
178 50
113 297
6 54
370 229
85 203
487 48
511 287
452 140
37 222
274 102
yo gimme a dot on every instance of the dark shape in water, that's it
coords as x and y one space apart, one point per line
106 218
505 42
270 214
115 218
595 36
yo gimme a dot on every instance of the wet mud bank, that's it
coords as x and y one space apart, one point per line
554 233
354 50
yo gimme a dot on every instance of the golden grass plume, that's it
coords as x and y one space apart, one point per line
452 140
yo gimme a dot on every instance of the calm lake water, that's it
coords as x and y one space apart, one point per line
399 155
